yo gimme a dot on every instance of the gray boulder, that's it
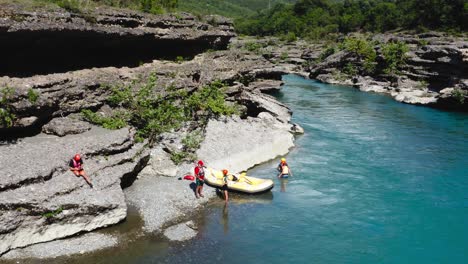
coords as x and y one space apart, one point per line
64 126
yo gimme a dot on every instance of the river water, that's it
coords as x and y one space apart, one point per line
375 181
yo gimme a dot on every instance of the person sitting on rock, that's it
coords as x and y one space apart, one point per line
284 169
200 175
76 166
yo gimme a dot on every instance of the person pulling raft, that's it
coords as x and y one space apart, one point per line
284 170
225 186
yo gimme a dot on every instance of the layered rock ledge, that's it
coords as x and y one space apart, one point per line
99 38
42 200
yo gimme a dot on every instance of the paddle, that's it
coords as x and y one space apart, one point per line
242 175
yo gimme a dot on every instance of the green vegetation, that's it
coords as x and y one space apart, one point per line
191 143
179 59
33 96
52 213
116 121
284 56
394 55
80 6
460 95
153 113
318 19
330 50
363 49
192 140
350 69
290 37
7 117
228 8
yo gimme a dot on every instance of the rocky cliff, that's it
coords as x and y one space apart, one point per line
61 73
99 38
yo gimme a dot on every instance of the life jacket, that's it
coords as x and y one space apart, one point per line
201 173
285 169
76 164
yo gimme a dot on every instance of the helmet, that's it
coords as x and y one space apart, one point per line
225 172
200 162
77 157
283 160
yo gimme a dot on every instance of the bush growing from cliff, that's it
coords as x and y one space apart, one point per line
394 55
7 118
116 121
362 48
33 96
153 113
52 213
459 95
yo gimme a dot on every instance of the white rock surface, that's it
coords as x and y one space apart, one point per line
238 145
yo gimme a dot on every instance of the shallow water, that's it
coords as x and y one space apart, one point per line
375 181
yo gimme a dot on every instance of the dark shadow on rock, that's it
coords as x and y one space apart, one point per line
193 186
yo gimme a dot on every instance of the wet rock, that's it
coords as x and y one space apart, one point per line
77 245
162 199
64 126
181 232
297 129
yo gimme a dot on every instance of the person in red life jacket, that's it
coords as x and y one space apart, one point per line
225 186
200 176
284 170
76 166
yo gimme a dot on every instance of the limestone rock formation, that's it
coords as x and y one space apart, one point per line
434 63
42 200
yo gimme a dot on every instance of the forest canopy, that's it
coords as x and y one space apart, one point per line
317 18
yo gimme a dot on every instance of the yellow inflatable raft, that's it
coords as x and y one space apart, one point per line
245 184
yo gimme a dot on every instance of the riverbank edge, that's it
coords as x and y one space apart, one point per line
180 191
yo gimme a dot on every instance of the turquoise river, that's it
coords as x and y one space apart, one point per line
375 181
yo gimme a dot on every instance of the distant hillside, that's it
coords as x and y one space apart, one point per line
319 18
229 8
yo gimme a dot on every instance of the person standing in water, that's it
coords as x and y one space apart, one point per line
76 166
200 175
284 170
225 186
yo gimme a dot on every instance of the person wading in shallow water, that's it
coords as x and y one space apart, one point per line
200 175
224 188
76 166
284 169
